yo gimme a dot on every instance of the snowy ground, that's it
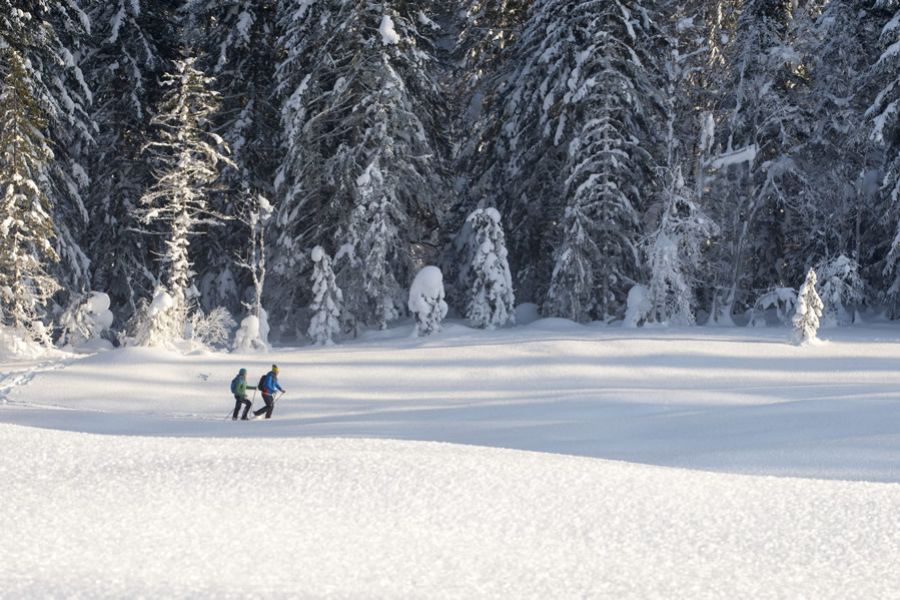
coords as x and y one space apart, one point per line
174 500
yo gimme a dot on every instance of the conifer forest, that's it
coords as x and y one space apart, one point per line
300 161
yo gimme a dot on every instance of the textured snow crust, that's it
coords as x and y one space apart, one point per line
119 516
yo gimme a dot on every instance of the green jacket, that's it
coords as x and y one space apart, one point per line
239 386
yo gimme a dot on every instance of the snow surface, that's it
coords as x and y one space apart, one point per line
176 501
156 517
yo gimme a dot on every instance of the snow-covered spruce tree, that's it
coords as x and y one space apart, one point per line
235 41
780 300
838 159
487 31
809 311
125 59
364 149
487 278
26 222
512 158
327 300
488 27
606 106
73 130
47 38
674 250
87 318
761 129
374 230
186 157
884 113
572 284
674 254
254 330
842 290
426 301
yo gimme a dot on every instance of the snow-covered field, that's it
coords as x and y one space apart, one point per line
350 492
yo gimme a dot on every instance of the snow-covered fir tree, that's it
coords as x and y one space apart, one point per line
26 222
883 113
363 165
487 32
87 319
487 278
426 301
841 289
572 284
674 254
374 233
488 28
511 158
54 40
838 213
760 132
235 41
604 132
325 323
47 37
579 111
602 105
809 310
674 251
187 158
130 44
257 214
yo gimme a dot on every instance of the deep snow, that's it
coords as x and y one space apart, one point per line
735 400
125 517
175 500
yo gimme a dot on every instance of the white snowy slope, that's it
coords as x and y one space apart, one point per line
91 516
734 400
176 500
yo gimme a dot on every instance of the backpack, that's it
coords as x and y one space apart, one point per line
261 386
234 384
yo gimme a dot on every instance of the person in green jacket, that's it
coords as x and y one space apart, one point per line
239 388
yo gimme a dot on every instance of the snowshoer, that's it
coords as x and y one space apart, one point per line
239 388
268 384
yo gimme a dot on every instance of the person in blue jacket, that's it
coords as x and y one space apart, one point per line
239 388
268 385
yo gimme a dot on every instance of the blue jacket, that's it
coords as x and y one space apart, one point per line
270 383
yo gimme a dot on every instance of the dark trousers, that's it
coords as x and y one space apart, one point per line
238 400
270 404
